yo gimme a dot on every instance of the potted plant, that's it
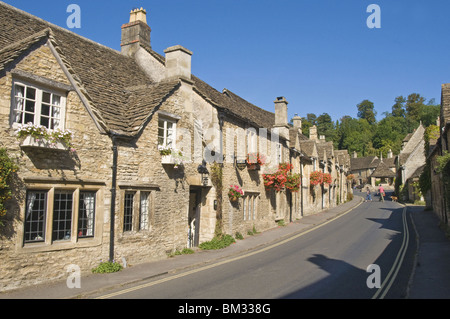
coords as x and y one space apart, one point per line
171 156
235 192
255 160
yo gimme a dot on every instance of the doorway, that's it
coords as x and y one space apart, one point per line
194 217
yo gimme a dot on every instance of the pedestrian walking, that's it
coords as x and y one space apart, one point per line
381 192
369 196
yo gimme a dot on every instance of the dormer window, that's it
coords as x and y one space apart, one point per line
32 104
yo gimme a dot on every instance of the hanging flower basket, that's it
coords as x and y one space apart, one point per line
327 178
316 178
282 179
234 193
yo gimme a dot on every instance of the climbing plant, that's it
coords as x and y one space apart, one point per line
217 181
7 168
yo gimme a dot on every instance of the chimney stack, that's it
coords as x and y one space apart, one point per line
313 133
390 154
281 113
178 62
297 121
136 32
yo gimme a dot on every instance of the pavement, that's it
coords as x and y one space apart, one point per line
430 279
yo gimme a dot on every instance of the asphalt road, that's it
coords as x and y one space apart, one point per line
330 262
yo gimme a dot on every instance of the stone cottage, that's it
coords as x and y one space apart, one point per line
410 162
440 179
128 155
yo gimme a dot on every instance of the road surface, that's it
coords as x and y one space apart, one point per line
366 253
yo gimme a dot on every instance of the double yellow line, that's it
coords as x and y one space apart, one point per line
392 275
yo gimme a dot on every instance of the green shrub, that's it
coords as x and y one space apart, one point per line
218 243
185 251
107 267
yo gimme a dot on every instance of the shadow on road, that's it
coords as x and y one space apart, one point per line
345 281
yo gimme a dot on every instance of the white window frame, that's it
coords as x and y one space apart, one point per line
165 122
40 90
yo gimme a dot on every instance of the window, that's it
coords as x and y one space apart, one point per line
62 215
251 141
35 216
37 106
128 212
136 211
166 133
249 206
65 213
144 211
86 216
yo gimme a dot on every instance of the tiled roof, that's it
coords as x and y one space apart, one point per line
363 162
228 101
103 74
307 147
382 170
325 147
233 103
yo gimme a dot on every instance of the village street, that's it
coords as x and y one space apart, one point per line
330 261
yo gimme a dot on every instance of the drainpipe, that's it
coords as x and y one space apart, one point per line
113 196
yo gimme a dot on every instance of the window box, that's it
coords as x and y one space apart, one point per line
33 142
253 167
168 159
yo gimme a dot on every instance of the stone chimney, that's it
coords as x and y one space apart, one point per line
390 154
297 121
355 155
178 62
135 33
281 112
313 133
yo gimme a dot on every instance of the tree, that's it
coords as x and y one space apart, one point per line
325 126
366 111
414 105
398 109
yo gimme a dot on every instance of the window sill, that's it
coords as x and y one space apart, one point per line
33 143
59 245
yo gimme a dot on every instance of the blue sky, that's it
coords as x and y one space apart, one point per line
319 54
